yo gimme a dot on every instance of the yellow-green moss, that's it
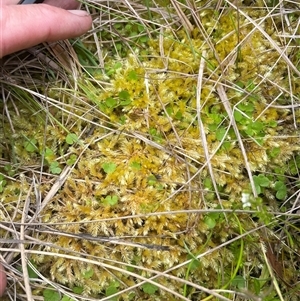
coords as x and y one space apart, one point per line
155 144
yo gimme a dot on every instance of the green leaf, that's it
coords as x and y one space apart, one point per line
54 168
71 138
31 272
178 115
124 95
130 268
141 28
135 165
110 102
274 152
261 180
77 290
240 84
212 127
279 185
117 65
257 286
281 194
246 107
226 145
156 135
207 183
257 126
132 75
257 187
281 189
88 274
119 46
195 264
128 27
250 86
111 200
149 288
249 131
9 170
133 34
238 116
210 222
72 160
48 152
122 119
131 296
220 133
273 123
214 215
51 295
113 69
169 110
152 180
30 145
110 291
239 282
125 102
217 117
144 39
109 167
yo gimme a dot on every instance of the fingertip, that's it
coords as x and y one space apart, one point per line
80 13
28 25
84 19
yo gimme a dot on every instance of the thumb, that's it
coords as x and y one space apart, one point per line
23 26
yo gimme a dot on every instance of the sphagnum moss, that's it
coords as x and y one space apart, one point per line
147 156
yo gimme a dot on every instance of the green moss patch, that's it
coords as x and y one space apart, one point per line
187 148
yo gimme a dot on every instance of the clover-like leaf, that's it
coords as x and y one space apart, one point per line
109 167
149 288
110 200
30 145
72 160
71 138
261 180
54 168
110 102
281 189
88 274
51 295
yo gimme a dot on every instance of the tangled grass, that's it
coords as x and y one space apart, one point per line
157 157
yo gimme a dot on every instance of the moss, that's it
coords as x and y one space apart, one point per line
145 125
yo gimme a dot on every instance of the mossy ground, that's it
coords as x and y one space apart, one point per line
175 164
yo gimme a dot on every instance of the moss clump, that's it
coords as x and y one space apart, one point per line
141 151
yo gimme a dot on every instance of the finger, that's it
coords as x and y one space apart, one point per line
8 2
66 4
23 26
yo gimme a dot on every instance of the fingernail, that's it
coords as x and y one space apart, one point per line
81 13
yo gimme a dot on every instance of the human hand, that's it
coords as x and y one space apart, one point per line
23 26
